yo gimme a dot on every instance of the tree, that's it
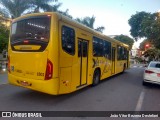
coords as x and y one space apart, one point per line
4 36
152 54
100 29
144 43
65 13
154 31
54 7
47 6
44 5
136 24
125 39
89 22
146 25
13 8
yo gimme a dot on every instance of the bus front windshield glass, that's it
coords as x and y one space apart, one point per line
35 29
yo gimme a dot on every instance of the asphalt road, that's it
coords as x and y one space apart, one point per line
3 78
123 92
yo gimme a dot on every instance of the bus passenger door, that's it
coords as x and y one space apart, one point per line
113 60
83 61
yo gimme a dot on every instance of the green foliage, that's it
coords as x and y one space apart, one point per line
136 23
100 29
125 39
146 25
65 13
13 8
153 54
38 5
54 7
143 43
4 36
139 59
89 22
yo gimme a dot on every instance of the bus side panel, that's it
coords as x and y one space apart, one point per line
53 48
106 68
119 66
70 65
65 66
90 62
65 80
122 63
82 76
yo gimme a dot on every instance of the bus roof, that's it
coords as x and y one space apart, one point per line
74 23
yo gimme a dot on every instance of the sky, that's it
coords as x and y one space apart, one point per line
112 14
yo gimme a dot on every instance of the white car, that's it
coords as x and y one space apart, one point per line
152 73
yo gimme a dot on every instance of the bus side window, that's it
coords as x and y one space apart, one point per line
97 47
107 50
68 40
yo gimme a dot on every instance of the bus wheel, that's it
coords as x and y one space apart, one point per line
96 77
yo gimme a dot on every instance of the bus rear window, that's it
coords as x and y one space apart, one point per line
36 30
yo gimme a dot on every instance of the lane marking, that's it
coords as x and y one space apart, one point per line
135 66
139 104
140 101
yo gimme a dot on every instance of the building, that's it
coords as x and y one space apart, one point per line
135 52
5 21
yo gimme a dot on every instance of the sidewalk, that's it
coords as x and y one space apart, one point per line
3 70
3 78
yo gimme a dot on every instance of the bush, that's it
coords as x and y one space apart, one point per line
139 59
4 37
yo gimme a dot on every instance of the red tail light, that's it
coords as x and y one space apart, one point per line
149 72
158 74
9 68
25 41
49 70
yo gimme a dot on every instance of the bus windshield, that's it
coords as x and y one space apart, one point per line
33 29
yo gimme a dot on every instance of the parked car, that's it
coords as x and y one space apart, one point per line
152 73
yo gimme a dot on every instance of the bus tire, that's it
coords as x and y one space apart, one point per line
96 77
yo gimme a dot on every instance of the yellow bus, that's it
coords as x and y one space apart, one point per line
51 53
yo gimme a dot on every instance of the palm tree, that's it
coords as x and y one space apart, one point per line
100 29
3 13
65 13
89 22
38 5
13 8
54 8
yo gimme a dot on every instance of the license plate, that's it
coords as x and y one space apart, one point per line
24 83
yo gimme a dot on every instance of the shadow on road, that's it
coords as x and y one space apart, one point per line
35 95
152 86
23 94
